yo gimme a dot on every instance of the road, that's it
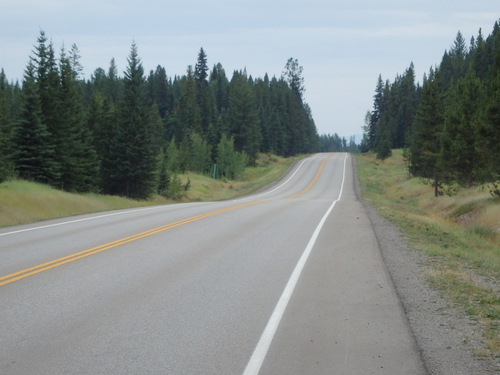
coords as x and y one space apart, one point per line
287 281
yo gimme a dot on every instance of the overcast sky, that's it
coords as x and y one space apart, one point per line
342 45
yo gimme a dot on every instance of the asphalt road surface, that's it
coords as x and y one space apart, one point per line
289 280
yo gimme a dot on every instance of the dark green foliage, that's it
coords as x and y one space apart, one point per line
451 125
384 149
334 143
76 155
462 120
425 140
5 126
242 117
130 136
33 152
132 165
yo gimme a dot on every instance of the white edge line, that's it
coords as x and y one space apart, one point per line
260 352
134 210
276 188
80 220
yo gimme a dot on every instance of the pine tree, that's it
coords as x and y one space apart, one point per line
132 160
279 135
48 85
5 126
375 114
243 116
76 155
33 154
425 144
187 112
462 119
203 97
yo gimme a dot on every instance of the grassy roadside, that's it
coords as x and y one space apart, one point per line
23 202
460 236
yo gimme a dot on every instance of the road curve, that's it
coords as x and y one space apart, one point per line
287 281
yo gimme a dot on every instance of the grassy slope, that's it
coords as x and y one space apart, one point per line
24 202
460 235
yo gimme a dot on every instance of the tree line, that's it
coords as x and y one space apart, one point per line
335 143
132 135
449 126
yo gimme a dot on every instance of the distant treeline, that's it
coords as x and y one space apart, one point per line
334 143
449 126
131 135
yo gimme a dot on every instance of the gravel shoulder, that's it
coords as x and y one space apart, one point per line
446 337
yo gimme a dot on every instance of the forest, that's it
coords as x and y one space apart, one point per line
449 127
131 135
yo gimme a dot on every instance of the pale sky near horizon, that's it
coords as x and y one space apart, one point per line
342 45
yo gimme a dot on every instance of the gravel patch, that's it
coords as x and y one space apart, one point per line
446 337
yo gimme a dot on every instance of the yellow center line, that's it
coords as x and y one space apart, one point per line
82 254
314 180
7 279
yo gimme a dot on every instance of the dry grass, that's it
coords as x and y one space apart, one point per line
24 202
460 234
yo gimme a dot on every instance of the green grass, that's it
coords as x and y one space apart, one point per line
459 234
23 202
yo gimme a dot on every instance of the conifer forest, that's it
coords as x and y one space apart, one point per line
449 126
129 135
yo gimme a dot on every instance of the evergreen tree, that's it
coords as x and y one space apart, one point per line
203 96
160 92
5 126
76 156
48 85
187 112
462 119
375 114
243 116
293 76
132 159
488 134
278 134
425 144
33 154
219 85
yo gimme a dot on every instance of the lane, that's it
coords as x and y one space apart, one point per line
192 299
344 316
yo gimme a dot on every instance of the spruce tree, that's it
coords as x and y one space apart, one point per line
48 84
132 160
243 116
425 141
462 119
203 97
33 155
5 126
76 154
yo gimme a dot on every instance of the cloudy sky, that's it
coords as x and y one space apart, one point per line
343 45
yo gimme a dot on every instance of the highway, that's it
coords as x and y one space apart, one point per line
289 280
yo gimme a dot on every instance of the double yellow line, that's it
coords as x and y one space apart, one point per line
82 254
314 180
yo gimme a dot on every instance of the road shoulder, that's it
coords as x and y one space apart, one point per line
445 336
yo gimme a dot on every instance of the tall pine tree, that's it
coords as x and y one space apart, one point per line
33 155
132 162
